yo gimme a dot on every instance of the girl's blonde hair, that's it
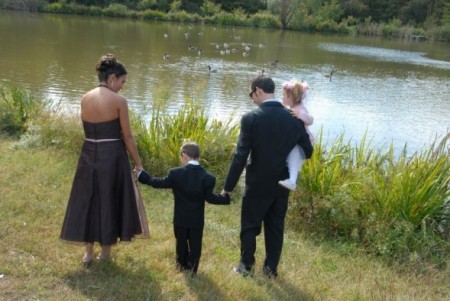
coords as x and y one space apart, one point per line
296 89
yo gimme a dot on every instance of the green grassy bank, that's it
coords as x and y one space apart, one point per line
364 225
35 185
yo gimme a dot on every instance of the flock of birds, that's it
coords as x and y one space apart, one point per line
243 49
235 47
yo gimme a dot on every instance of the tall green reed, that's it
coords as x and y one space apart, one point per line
160 139
394 205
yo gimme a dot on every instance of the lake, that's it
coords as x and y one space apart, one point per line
396 91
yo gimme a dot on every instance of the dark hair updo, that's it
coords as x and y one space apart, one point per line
108 65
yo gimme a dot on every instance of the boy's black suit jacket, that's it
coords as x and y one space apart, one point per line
192 185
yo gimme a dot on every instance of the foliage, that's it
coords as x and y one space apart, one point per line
175 6
209 8
160 140
395 207
183 16
446 15
23 5
17 110
154 15
162 6
265 20
441 33
286 9
330 11
116 10
53 129
421 17
228 19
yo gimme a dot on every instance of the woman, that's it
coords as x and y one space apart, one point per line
102 206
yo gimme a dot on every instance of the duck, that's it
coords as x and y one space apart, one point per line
211 70
166 56
192 48
245 53
200 52
330 75
274 63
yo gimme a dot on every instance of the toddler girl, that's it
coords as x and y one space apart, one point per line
294 95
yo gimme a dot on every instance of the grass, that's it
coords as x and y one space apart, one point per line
35 184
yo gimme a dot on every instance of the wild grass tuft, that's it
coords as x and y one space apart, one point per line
17 109
393 206
160 139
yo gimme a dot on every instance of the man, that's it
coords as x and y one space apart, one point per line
267 134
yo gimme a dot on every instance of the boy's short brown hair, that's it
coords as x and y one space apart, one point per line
191 149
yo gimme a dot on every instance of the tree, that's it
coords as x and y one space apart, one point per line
209 8
355 8
331 11
286 9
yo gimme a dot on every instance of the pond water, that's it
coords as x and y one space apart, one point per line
396 91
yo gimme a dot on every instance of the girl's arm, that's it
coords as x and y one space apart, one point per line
302 113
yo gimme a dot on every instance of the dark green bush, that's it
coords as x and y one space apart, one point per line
17 109
154 15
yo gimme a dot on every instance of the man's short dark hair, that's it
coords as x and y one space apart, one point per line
263 82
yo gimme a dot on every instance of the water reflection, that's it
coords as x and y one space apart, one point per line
387 55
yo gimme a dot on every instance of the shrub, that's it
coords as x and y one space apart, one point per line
116 10
393 206
54 130
183 16
154 15
17 110
265 20
439 33
228 19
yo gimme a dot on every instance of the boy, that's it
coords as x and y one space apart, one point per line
191 185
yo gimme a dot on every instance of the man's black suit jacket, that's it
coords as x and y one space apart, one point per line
192 185
268 133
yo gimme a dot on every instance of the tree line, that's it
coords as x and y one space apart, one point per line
415 12
370 17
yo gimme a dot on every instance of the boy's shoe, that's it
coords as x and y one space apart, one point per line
287 184
241 269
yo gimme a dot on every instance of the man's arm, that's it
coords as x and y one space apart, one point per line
241 153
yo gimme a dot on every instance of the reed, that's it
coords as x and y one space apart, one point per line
393 206
160 139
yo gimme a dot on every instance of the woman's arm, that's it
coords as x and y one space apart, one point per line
127 135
